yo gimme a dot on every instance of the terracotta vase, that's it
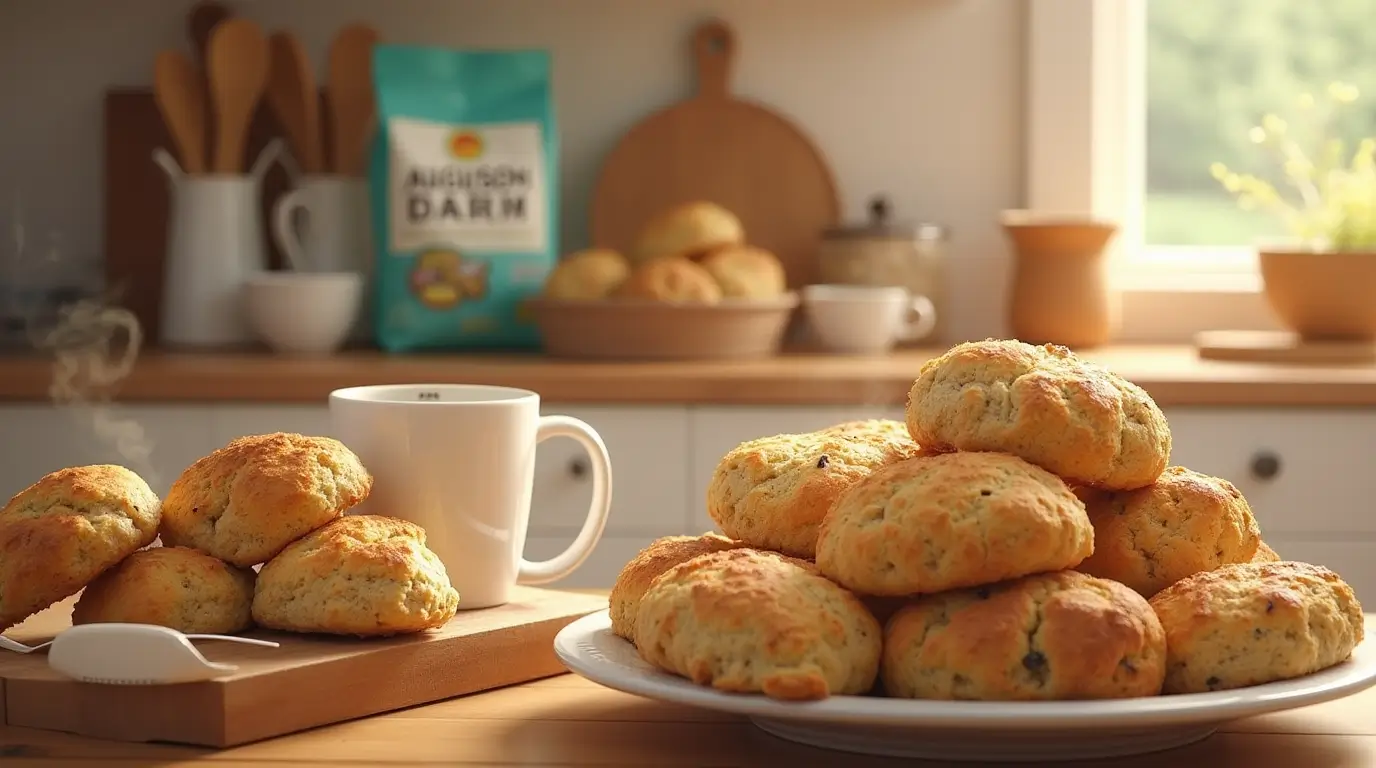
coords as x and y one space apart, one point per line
1322 296
1060 293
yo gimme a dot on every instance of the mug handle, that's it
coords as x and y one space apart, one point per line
567 562
921 318
284 228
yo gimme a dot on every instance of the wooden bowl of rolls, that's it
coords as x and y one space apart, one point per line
692 287
1022 537
254 534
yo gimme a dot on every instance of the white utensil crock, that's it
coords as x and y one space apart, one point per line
333 235
214 242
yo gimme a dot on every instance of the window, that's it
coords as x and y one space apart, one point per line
1131 102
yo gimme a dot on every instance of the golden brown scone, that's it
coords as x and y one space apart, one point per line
1180 525
661 555
246 501
587 275
1052 636
176 587
64 530
361 575
749 621
772 493
1265 554
934 523
747 272
672 280
1253 623
1080 421
688 230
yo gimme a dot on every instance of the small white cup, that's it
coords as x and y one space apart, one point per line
459 461
303 313
867 320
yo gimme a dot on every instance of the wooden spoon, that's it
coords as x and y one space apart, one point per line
179 91
237 65
294 100
353 112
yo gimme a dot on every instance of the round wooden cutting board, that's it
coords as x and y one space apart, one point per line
718 148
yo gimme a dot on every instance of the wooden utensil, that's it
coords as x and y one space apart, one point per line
237 65
292 95
349 88
729 151
179 91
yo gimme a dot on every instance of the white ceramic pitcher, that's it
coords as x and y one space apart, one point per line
214 242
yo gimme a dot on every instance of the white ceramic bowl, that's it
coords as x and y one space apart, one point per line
303 313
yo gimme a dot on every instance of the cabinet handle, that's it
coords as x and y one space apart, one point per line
578 468
1265 465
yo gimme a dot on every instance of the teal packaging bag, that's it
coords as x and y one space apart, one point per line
463 182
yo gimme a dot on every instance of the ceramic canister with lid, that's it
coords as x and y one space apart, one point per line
882 251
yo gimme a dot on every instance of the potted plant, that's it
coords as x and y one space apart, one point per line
1322 284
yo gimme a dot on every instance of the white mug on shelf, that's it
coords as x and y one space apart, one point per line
332 235
459 461
214 242
867 320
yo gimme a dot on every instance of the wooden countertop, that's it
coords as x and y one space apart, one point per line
568 721
1172 374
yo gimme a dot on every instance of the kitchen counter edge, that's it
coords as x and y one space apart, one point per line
1173 375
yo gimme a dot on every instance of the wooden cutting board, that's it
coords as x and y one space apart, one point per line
1281 347
726 150
307 682
137 200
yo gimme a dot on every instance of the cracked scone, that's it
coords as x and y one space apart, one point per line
757 622
952 520
362 575
246 501
1180 525
176 587
1078 420
63 531
773 492
661 555
1254 623
1052 636
672 280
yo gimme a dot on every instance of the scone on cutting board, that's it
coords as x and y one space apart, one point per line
361 575
245 502
176 587
62 532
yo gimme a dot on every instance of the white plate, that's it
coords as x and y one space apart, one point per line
964 730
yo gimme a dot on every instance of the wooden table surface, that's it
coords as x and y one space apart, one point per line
1174 375
568 721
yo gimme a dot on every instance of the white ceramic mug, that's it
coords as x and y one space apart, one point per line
333 235
459 460
864 319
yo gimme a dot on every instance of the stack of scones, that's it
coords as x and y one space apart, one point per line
1022 537
253 534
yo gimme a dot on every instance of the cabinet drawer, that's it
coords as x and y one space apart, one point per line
649 452
601 568
1324 479
716 430
158 442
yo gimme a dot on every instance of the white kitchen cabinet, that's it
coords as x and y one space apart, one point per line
1324 463
718 429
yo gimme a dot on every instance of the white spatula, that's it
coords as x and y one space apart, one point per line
136 654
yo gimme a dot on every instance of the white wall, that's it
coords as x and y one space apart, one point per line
921 99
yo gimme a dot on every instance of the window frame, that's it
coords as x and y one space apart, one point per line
1086 142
